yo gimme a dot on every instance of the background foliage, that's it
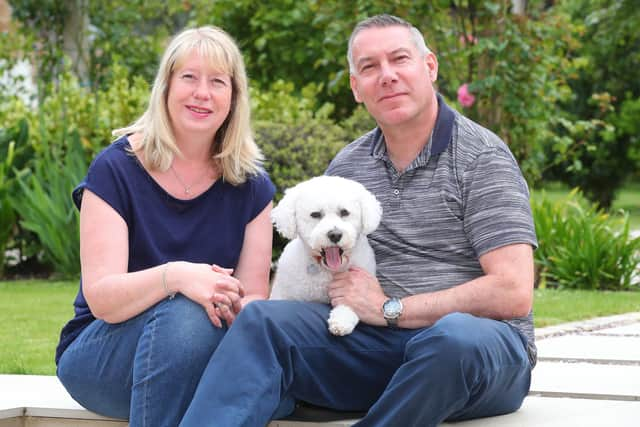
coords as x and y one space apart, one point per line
582 247
556 83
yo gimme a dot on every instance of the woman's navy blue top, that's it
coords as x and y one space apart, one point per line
208 229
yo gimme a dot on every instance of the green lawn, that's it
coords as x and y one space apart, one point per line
552 306
32 313
628 199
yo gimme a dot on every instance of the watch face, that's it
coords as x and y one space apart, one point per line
392 308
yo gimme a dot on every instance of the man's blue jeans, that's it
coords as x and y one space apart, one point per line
277 352
145 369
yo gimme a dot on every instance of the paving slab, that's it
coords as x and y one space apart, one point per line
629 330
611 349
564 412
588 325
586 380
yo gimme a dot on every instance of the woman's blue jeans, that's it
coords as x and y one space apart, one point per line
277 352
145 369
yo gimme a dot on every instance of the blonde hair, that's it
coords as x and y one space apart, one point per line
233 146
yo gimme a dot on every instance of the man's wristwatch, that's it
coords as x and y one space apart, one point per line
392 310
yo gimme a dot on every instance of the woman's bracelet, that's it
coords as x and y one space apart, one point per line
164 281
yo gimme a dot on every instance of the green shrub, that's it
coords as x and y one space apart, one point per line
71 120
93 114
581 247
297 136
14 152
358 123
45 204
295 153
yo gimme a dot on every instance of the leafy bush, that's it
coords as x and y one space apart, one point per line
54 144
45 204
14 152
603 144
93 114
297 136
295 153
581 247
359 123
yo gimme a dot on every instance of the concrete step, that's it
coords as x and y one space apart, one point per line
587 380
628 331
593 348
564 412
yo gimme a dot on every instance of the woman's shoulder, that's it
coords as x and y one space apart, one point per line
114 154
116 148
254 194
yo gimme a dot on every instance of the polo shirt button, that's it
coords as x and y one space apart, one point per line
396 191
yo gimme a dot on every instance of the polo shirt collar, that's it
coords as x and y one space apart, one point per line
440 137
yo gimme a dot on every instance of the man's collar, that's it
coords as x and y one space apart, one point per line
440 137
443 128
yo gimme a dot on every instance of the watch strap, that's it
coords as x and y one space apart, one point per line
393 323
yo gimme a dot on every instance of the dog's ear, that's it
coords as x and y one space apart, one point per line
371 211
283 215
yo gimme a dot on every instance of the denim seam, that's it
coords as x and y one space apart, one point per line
145 407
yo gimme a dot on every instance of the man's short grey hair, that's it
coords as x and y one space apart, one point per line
381 21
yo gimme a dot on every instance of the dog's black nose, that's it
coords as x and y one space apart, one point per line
334 236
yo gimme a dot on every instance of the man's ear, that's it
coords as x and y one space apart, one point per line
431 62
354 88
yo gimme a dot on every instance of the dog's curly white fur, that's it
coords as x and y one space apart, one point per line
328 218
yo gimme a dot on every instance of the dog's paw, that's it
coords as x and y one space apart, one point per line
342 320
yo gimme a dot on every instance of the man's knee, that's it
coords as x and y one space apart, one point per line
282 313
450 340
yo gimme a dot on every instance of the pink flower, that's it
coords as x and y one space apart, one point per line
465 97
469 38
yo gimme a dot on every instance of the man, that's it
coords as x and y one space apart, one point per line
446 329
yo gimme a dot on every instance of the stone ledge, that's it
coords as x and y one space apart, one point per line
535 412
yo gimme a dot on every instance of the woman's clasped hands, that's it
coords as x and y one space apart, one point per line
227 301
215 289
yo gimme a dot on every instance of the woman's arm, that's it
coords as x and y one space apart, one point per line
115 295
254 264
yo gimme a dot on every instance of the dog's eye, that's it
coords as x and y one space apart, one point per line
316 214
344 212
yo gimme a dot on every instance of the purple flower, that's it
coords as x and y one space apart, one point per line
465 97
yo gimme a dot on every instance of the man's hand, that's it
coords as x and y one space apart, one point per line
360 291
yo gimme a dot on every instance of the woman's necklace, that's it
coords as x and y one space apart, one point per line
187 188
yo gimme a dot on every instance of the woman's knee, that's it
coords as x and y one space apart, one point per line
184 329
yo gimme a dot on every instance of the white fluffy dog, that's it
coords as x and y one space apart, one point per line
328 218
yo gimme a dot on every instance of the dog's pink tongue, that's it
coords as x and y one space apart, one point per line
333 258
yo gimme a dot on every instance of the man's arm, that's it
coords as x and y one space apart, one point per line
505 291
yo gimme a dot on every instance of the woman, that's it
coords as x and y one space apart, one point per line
175 238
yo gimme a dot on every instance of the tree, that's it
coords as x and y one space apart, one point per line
600 130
